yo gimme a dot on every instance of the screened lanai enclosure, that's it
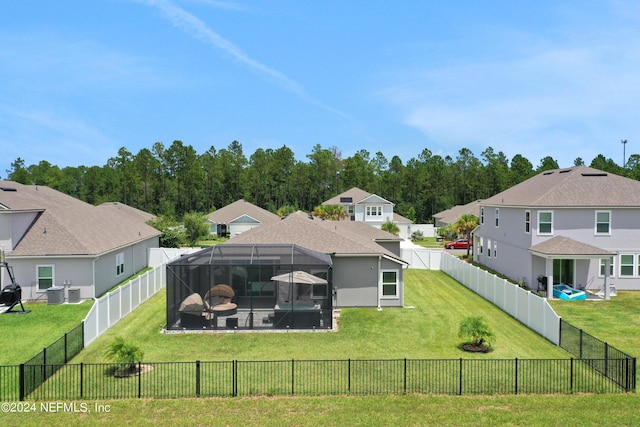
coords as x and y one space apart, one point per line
269 286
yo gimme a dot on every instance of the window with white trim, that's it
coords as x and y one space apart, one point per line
488 248
495 249
45 277
603 223
497 218
481 248
482 215
120 264
374 211
527 222
611 267
627 265
545 222
389 284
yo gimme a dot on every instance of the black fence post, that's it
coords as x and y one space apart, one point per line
516 390
65 349
606 359
21 379
460 385
292 377
234 378
571 374
560 334
580 353
349 375
139 380
405 375
81 379
197 378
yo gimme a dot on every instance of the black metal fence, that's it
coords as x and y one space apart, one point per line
318 377
50 360
612 363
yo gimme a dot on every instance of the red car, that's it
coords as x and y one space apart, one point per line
457 244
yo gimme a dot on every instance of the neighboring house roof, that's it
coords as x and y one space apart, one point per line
357 196
134 213
579 186
561 246
242 211
399 219
353 195
63 225
329 237
450 216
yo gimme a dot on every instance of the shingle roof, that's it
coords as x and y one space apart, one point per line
340 237
565 246
241 207
450 216
354 193
578 186
64 225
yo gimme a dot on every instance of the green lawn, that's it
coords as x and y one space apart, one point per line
27 334
615 321
428 330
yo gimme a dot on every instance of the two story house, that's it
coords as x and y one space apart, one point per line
577 226
371 209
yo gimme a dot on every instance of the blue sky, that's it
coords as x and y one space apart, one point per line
80 79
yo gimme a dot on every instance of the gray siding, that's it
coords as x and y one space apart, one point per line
356 279
515 261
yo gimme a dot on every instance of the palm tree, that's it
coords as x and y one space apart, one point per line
390 227
464 226
477 331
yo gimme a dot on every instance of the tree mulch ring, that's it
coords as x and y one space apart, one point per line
471 348
139 370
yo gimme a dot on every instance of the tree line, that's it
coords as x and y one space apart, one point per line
175 180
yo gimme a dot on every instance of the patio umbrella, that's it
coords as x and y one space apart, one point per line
300 277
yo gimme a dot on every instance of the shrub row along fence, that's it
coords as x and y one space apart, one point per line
599 355
316 377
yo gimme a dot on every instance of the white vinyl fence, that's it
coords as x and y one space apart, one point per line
527 307
114 305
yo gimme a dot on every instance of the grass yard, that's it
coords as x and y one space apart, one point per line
27 334
429 330
615 321
373 411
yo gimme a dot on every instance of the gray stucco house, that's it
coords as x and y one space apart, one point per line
370 209
238 217
578 226
367 268
52 239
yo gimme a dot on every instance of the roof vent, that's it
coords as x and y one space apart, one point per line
565 171
8 189
595 174
547 173
346 199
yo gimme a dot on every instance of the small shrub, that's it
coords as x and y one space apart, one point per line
121 351
476 331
